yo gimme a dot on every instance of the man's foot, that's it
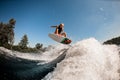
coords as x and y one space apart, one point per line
67 41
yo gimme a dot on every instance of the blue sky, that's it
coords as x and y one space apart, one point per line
82 18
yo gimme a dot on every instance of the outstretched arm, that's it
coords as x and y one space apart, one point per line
54 26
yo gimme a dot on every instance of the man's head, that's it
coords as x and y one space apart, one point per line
61 25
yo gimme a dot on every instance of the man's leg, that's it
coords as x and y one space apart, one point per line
64 34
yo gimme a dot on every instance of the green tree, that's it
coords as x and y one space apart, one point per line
11 31
38 46
24 42
7 33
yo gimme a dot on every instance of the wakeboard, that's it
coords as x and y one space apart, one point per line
60 39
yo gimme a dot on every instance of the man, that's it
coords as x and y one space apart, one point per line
60 30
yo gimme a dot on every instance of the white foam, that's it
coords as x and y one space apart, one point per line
53 52
88 60
31 56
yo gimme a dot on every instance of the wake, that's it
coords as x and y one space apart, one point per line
85 60
88 60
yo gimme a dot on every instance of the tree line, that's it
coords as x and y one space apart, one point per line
7 39
113 41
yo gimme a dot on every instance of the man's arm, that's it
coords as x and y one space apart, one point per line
54 26
56 31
